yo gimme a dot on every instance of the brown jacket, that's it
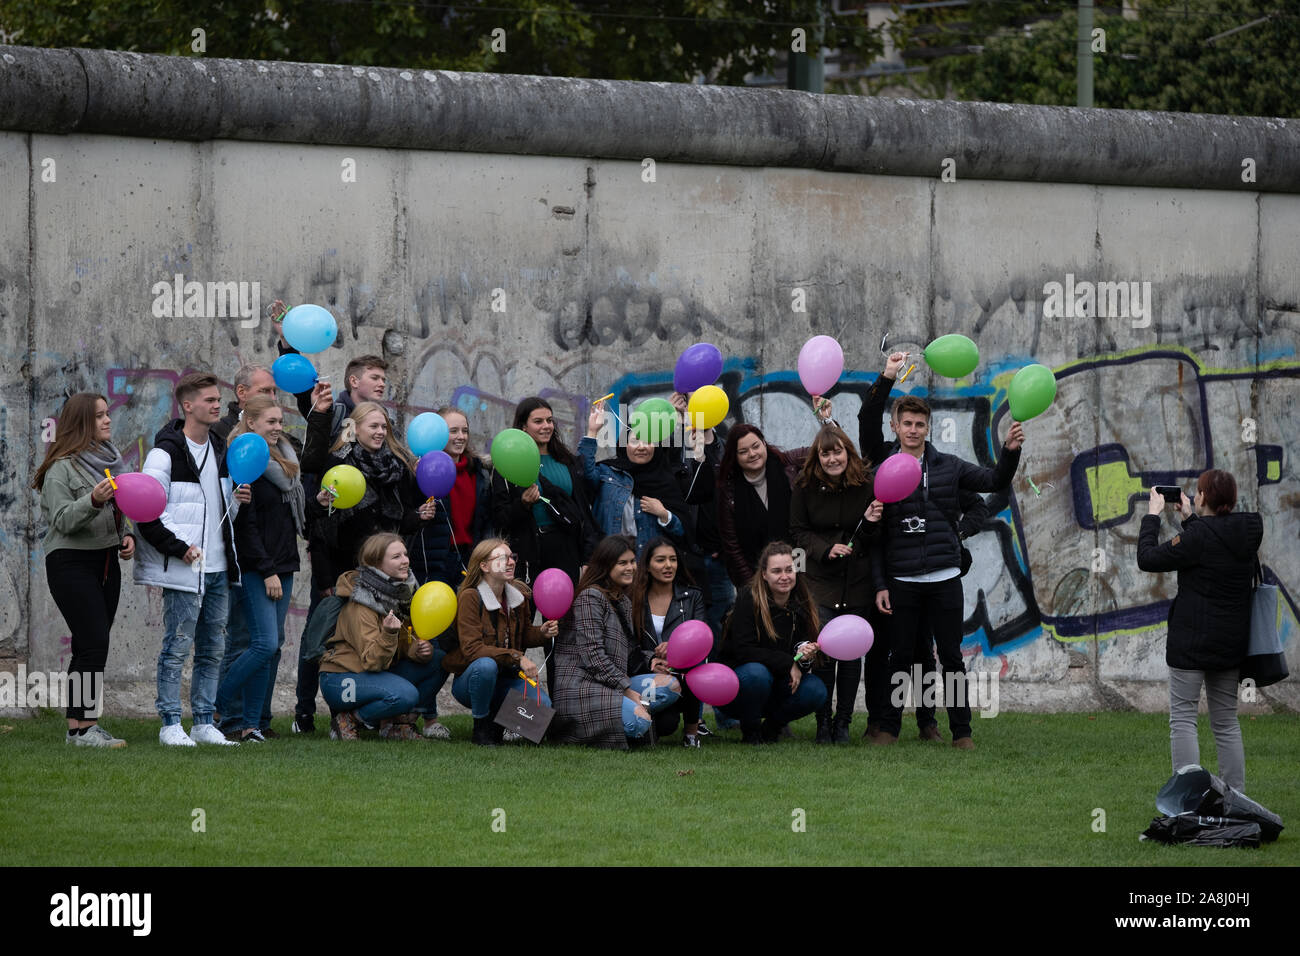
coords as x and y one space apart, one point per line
504 641
359 644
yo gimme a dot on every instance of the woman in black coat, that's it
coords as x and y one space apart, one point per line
1209 621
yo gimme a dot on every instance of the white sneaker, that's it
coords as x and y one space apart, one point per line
174 735
436 731
207 734
96 736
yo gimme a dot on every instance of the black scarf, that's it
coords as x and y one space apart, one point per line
376 590
756 525
383 472
655 479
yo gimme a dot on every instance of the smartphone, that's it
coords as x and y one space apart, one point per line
1171 493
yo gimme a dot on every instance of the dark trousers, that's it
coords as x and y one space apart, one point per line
85 586
875 673
921 609
231 705
840 677
308 671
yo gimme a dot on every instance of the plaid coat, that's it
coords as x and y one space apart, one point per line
591 664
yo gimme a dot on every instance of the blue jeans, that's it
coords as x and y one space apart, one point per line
250 675
197 620
483 686
660 698
231 706
719 594
762 697
427 678
374 696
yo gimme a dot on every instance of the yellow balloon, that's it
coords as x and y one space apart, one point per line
348 484
433 608
707 407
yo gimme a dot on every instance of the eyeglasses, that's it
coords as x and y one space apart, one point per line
507 558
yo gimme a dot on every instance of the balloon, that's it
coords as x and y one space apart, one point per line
821 360
847 637
953 356
654 420
699 365
309 328
689 643
140 497
348 482
714 684
433 608
427 432
293 373
1031 391
553 593
435 473
707 407
515 456
247 458
897 477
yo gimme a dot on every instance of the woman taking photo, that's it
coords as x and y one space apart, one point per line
833 518
494 624
266 540
83 542
1209 621
374 671
774 622
597 701
661 600
754 488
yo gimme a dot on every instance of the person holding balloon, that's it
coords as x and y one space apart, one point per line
375 671
494 628
663 599
772 646
267 530
84 540
597 699
835 519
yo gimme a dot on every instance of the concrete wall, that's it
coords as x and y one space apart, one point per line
607 277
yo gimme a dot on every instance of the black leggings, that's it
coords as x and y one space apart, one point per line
85 586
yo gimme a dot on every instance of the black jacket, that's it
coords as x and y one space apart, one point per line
514 519
1209 621
687 605
434 556
265 534
821 517
745 645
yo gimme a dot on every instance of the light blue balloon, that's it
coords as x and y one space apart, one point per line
247 458
293 373
309 328
427 432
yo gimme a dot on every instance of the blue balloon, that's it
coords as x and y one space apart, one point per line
435 474
247 458
427 432
293 373
309 328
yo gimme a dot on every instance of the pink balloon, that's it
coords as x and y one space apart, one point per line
553 593
821 360
141 497
897 477
846 638
714 684
690 643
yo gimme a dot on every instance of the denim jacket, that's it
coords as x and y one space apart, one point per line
616 508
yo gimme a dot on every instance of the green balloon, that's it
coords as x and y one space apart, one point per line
1031 391
515 457
953 356
653 420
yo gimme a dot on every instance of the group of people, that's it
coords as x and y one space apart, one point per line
764 544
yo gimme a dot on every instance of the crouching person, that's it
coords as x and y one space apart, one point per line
494 625
374 671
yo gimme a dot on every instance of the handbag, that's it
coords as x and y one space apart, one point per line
527 718
1265 663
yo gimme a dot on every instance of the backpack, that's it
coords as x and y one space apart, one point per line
320 627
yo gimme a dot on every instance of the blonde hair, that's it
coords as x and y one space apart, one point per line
255 408
480 554
348 433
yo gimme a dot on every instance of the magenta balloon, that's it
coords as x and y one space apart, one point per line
897 477
699 365
821 360
714 684
690 643
140 497
553 593
846 638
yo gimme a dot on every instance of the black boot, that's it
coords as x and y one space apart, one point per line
840 730
750 734
484 736
823 728
770 731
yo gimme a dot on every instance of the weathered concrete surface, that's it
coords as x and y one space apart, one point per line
604 278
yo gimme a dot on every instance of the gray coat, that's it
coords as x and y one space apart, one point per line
591 664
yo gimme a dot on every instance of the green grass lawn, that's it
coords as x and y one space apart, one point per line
1026 797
